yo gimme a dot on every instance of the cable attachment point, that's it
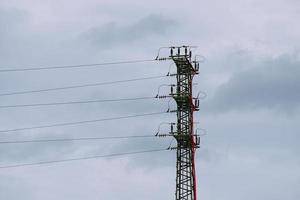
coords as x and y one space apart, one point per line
196 67
161 97
171 111
159 88
163 135
173 74
172 128
161 59
159 127
196 104
171 148
197 142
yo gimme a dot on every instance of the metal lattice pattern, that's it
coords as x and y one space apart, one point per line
185 180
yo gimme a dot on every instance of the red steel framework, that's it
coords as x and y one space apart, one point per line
187 140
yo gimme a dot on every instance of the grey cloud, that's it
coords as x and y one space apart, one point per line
10 19
271 84
12 23
112 33
233 138
9 185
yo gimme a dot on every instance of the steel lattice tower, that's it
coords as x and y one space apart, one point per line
187 141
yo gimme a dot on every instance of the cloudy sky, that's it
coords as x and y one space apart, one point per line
251 76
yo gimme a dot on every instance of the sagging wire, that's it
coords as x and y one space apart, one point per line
201 129
159 88
202 58
159 127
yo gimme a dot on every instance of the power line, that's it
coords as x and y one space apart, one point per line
80 122
81 158
75 66
76 139
80 86
76 102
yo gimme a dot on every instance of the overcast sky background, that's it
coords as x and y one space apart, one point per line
251 75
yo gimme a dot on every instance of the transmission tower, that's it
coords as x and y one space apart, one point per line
187 140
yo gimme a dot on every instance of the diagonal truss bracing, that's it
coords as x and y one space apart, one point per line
186 139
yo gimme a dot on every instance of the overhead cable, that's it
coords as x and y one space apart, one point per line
74 66
80 122
81 158
80 86
75 102
76 139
